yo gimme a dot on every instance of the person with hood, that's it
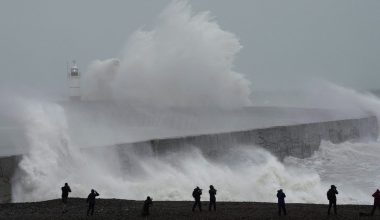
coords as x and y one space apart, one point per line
376 201
65 195
91 201
281 202
197 192
331 196
147 204
212 193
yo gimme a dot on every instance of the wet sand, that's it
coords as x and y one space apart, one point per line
127 209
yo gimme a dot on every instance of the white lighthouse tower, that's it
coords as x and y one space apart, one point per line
74 82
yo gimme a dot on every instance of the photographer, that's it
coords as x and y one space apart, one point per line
212 193
331 196
65 194
147 204
197 197
91 201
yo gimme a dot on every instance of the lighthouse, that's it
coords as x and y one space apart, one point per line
74 82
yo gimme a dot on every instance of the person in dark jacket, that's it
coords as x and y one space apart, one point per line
281 201
65 194
197 197
376 201
91 201
212 193
331 196
147 204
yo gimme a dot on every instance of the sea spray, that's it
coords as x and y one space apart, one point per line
244 173
353 167
186 60
49 157
241 173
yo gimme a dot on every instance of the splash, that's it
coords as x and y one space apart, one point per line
351 166
97 82
49 155
185 60
244 173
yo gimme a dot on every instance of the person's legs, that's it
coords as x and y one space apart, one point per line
194 205
92 209
281 207
330 204
335 208
88 209
200 205
64 201
284 209
374 208
212 204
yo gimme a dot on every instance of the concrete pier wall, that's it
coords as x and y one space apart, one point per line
293 140
8 166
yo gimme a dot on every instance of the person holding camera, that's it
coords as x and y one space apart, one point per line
147 204
212 193
376 201
331 196
91 201
65 194
281 202
197 197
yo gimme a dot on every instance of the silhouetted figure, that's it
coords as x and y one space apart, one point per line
376 201
197 197
331 196
147 204
281 201
212 193
65 194
91 201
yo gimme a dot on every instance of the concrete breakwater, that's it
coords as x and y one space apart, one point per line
8 167
299 140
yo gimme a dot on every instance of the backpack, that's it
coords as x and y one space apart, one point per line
330 194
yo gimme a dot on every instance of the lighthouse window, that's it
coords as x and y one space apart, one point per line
74 73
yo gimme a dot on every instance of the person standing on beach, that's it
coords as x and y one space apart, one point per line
331 196
376 202
197 197
281 202
212 193
147 204
65 194
91 201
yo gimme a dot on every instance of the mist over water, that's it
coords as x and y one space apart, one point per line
185 61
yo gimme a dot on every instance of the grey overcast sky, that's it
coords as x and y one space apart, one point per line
285 42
